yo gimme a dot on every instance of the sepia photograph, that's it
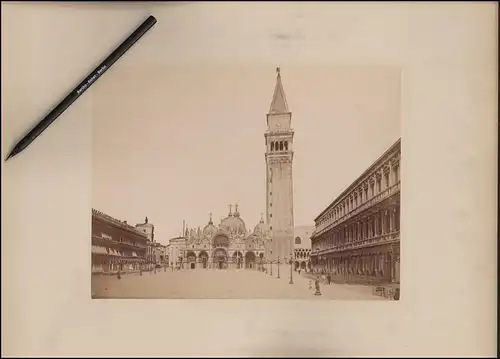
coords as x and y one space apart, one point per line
239 166
246 183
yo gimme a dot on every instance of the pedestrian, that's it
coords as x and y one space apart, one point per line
310 284
316 285
329 278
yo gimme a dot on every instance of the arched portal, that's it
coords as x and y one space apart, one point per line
191 259
309 265
303 265
203 258
297 265
249 260
237 259
220 258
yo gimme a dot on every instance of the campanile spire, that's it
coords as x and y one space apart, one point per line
278 104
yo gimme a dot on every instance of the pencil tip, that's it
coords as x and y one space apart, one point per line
12 154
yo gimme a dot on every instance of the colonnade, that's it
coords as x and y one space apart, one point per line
107 264
375 224
377 265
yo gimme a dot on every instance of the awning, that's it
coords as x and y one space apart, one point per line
99 250
113 252
134 254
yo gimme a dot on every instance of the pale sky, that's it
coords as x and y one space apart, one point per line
176 143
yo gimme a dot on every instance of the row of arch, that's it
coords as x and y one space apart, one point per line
220 260
303 265
302 254
220 253
279 146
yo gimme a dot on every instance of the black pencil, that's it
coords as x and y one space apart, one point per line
83 86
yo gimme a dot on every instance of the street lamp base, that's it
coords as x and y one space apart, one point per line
291 281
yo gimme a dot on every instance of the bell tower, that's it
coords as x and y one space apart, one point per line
279 180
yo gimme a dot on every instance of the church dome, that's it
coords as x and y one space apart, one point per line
233 222
210 229
260 228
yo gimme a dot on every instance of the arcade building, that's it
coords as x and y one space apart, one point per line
357 237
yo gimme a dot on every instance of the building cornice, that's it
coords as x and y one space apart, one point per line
365 177
117 223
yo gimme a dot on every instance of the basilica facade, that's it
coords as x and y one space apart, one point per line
229 245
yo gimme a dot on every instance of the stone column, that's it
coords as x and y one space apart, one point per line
381 224
371 264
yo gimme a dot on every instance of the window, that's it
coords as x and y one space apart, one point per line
397 219
272 146
298 240
286 145
270 215
270 193
270 204
396 174
281 145
271 228
386 177
379 186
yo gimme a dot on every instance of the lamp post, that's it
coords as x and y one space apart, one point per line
271 261
291 269
278 261
119 269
